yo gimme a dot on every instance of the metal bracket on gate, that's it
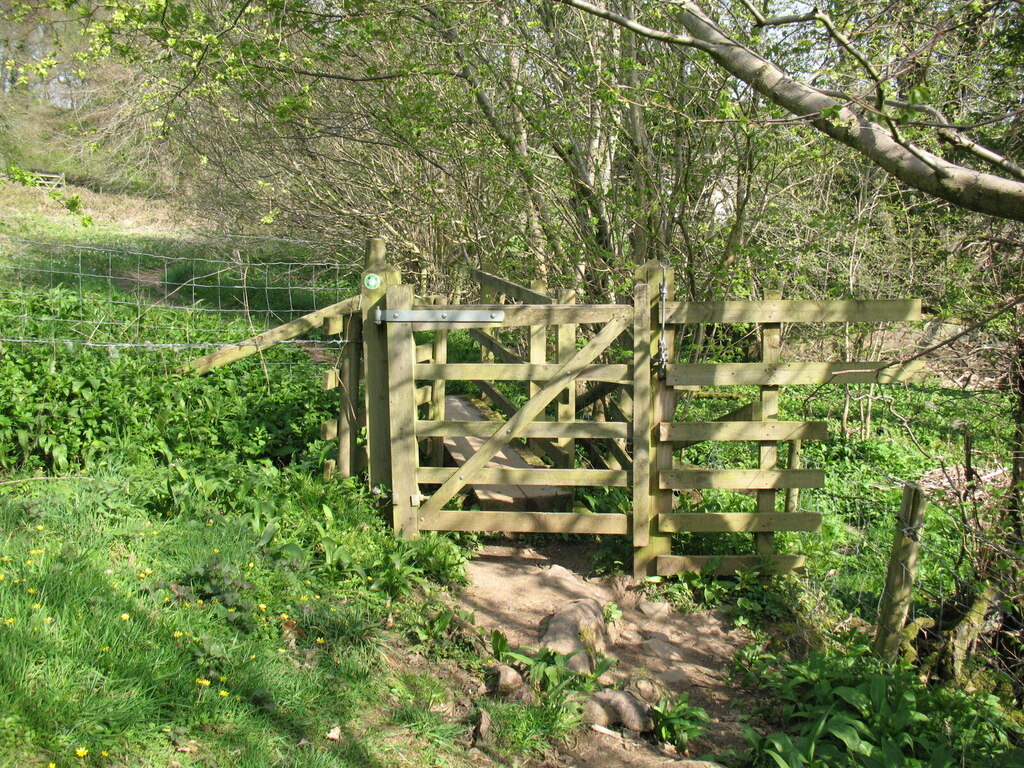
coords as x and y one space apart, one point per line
475 316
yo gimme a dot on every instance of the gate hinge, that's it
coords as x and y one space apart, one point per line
438 316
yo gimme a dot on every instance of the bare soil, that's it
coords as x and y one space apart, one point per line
514 589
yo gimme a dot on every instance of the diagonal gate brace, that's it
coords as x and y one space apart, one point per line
534 407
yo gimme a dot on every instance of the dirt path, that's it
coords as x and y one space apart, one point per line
514 589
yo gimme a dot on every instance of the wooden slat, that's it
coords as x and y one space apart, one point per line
495 347
643 445
424 353
795 311
518 372
563 430
746 522
698 432
531 314
332 378
501 403
329 429
235 352
510 289
525 522
402 417
565 408
423 394
669 565
742 479
554 477
790 374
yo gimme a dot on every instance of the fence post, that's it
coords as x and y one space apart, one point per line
439 354
648 411
348 384
538 355
771 337
376 279
401 393
565 345
899 582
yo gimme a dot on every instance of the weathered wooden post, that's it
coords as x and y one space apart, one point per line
771 338
565 409
345 427
401 394
899 582
376 279
439 354
649 410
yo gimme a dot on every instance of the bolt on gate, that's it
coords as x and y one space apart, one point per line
624 375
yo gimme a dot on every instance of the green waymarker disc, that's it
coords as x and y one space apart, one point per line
372 281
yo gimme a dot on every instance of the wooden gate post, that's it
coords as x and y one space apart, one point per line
771 340
401 394
376 279
649 500
899 582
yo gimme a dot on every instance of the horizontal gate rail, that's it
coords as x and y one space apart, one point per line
795 311
557 429
669 565
742 479
525 522
618 373
616 478
735 431
738 522
532 314
791 374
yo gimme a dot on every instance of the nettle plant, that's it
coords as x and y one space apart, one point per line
851 711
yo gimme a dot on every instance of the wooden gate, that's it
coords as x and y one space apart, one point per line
396 388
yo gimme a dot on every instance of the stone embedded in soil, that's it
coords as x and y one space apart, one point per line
609 708
503 679
648 690
662 649
577 630
674 676
654 610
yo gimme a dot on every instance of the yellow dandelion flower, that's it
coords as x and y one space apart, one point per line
263 606
202 682
252 656
36 606
9 621
222 692
304 599
30 562
307 581
104 649
199 602
251 565
40 527
216 551
32 590
51 765
280 650
125 617
320 640
2 577
48 620
222 678
81 752
284 617
178 634
104 754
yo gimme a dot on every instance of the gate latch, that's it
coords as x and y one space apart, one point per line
475 316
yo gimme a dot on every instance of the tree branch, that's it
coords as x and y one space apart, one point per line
963 187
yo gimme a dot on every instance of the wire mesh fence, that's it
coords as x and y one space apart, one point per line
200 292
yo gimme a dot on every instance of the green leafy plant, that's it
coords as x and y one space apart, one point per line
677 722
